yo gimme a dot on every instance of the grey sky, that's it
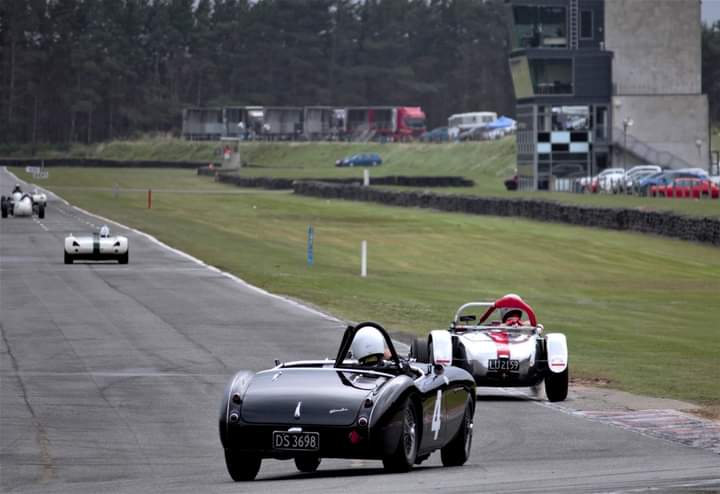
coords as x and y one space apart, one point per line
710 10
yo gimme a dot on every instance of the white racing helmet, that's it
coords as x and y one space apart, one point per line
104 231
368 342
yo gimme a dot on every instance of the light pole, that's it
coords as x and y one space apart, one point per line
699 143
627 122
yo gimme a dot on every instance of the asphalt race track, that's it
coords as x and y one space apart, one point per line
111 378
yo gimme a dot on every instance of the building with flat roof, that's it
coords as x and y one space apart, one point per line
606 83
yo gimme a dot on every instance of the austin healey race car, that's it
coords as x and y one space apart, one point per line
367 404
509 352
20 203
98 246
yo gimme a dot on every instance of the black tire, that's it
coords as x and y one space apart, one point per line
419 350
242 467
123 258
556 385
41 211
4 208
403 458
68 258
307 464
457 451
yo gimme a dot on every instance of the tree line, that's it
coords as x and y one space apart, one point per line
92 70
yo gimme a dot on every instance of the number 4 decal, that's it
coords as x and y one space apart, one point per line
436 419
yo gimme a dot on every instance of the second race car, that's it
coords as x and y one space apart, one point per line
20 203
97 246
370 405
508 352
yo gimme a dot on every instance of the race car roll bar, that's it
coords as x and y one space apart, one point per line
506 302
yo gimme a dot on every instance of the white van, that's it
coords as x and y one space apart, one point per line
461 122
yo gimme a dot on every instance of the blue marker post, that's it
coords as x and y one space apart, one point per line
311 239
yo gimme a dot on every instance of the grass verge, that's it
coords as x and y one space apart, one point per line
641 312
487 163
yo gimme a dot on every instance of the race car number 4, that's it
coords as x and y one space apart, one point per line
503 364
297 441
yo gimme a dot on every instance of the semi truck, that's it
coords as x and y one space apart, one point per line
396 123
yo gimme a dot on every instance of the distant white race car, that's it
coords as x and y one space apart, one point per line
508 352
98 246
21 203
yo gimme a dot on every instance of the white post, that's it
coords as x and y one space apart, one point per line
363 259
366 177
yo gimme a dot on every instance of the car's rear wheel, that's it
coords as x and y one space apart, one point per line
242 466
68 258
4 207
41 211
123 259
403 457
307 464
457 451
419 350
556 385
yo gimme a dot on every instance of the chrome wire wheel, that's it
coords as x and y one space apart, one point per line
468 433
409 436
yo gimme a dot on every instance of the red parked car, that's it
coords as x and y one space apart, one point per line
687 187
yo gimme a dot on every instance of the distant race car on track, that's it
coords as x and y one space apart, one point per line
370 405
98 246
20 203
508 352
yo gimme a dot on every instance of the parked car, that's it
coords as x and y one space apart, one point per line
633 175
362 159
439 134
474 134
690 187
604 179
663 178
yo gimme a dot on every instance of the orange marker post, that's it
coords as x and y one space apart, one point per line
149 198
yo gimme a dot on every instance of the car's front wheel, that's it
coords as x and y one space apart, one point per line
556 385
123 259
307 464
403 457
419 350
68 258
41 211
242 466
457 451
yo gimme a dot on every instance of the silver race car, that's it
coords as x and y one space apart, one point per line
20 203
512 351
98 246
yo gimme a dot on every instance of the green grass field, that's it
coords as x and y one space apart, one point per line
487 163
641 311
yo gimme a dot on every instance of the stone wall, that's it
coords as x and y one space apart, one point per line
287 183
706 230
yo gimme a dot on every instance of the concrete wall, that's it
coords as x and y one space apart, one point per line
656 44
672 123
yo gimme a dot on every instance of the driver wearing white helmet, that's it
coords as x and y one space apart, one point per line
104 231
368 347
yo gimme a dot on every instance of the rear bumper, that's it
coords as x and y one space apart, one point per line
95 257
335 442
